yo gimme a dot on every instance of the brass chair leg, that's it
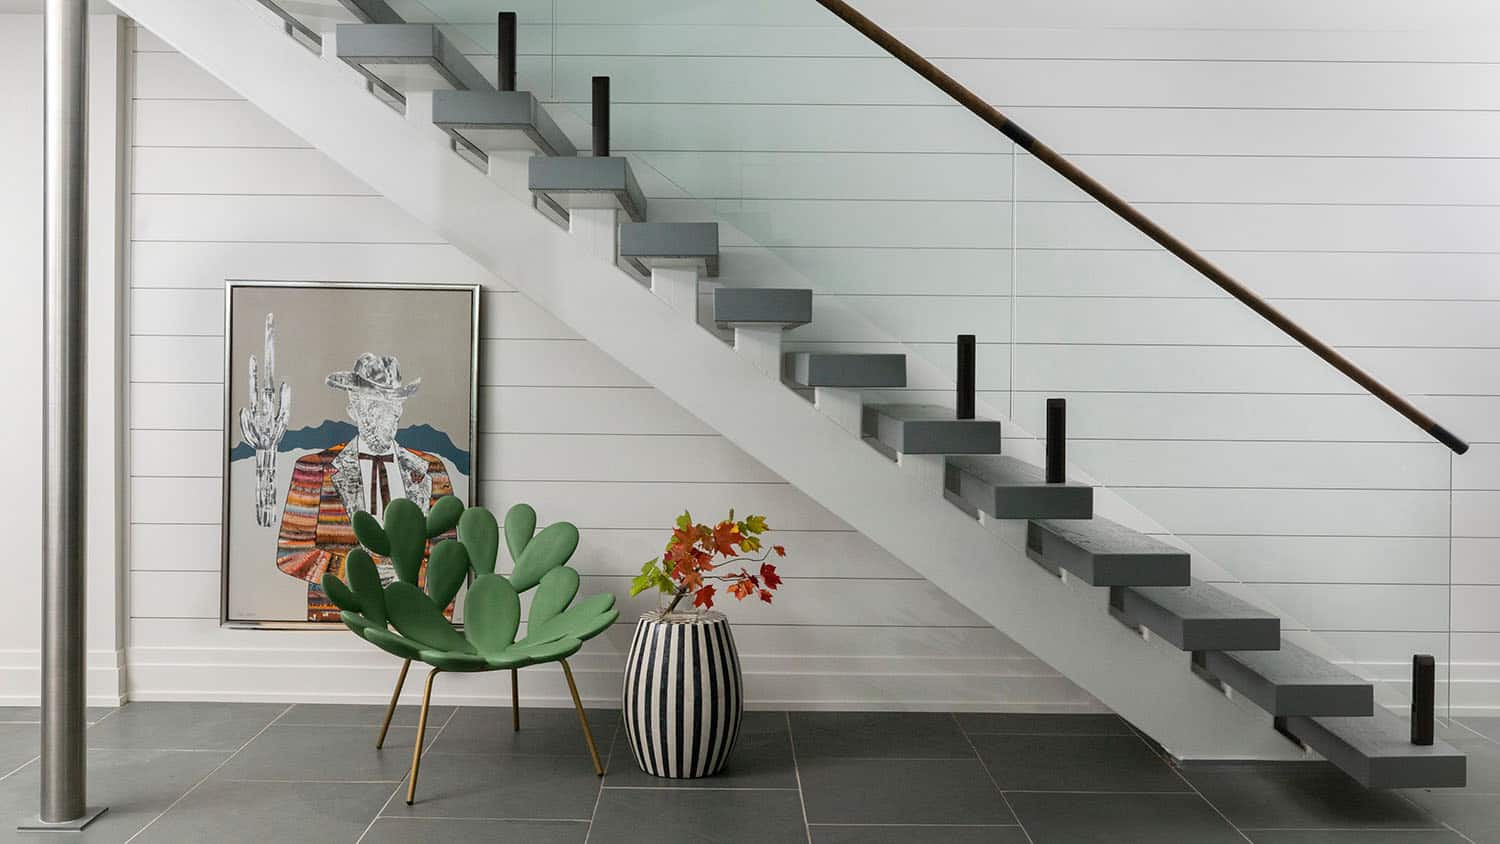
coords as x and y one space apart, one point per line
515 701
416 753
583 719
391 710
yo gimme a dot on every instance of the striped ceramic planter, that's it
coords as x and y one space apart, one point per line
684 696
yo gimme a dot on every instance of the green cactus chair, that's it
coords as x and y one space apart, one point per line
492 608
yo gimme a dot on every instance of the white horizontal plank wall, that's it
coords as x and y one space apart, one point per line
1338 157
219 191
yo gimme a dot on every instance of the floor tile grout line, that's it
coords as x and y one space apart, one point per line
797 772
402 781
1189 783
1450 827
609 759
990 775
18 768
216 769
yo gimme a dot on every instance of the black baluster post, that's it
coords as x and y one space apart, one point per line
1057 440
964 405
1423 698
506 52
601 116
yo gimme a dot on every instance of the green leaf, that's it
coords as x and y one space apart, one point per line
365 580
640 583
407 529
481 537
370 534
446 569
339 594
449 661
685 521
548 550
546 651
553 595
582 621
443 515
491 614
755 524
393 644
417 618
356 622
520 526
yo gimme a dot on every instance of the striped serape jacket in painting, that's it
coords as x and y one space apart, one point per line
326 489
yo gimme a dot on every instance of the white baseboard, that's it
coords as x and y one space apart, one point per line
825 682
21 677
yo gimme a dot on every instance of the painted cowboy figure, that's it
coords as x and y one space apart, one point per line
366 473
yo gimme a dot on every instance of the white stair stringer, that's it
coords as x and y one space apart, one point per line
983 567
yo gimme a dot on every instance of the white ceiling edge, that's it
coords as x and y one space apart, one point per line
34 7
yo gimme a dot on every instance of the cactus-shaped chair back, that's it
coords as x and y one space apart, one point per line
492 609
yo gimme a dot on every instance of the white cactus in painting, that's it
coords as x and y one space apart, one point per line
263 423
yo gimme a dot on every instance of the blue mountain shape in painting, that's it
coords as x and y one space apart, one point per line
332 431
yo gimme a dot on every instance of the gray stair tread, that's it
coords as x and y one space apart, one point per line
786 307
587 182
1198 617
1007 488
1377 751
820 369
930 429
1290 681
495 120
650 245
1104 553
386 44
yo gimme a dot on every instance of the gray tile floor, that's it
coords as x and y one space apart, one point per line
194 772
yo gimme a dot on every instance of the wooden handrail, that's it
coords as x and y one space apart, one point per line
1050 157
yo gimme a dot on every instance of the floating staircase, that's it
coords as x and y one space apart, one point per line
953 508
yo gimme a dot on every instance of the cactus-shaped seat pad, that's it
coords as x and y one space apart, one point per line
492 610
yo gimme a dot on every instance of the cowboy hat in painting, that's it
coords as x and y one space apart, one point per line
377 373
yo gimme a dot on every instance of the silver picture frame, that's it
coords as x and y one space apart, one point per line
475 292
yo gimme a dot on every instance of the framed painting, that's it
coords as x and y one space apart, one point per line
338 398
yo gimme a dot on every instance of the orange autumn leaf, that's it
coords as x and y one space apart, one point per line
780 550
741 589
765 596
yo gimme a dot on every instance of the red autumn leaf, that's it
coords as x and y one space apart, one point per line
741 589
769 575
780 550
704 598
765 596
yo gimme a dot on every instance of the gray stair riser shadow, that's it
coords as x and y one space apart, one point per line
1007 488
1102 553
1377 751
1198 617
495 111
647 245
930 429
1290 681
361 44
849 371
762 306
587 182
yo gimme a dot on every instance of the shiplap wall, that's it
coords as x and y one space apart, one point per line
219 191
1338 156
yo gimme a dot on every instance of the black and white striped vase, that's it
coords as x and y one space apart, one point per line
684 694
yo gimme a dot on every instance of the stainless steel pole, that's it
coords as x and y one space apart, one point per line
65 138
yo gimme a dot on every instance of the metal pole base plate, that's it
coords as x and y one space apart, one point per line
89 815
